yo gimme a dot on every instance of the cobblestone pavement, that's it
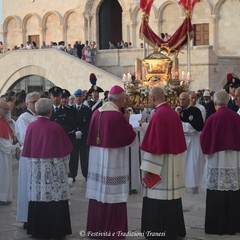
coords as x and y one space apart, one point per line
193 207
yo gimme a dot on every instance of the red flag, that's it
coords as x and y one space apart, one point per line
175 43
188 4
146 5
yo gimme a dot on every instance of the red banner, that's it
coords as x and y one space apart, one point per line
146 5
177 40
188 4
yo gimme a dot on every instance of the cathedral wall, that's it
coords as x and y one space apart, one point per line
77 20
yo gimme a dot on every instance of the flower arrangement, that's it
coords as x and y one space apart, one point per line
172 92
138 95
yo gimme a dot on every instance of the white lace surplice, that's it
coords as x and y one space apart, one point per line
222 171
48 179
108 174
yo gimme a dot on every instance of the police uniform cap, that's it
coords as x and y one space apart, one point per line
65 93
95 88
233 85
78 92
55 91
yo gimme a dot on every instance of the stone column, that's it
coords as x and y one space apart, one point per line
43 35
133 34
63 35
89 19
24 37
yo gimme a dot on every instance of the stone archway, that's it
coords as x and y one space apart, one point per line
30 83
110 23
12 32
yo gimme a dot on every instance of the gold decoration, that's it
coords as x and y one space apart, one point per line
158 72
158 65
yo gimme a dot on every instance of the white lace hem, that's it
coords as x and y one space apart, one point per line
222 171
48 179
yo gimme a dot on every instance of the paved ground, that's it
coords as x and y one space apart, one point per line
193 205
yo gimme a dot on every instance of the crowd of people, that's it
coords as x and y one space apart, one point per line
120 45
194 143
86 52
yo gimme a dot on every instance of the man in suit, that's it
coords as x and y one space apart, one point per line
82 117
63 115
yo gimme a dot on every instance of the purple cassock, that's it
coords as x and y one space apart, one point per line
164 136
170 139
46 146
220 143
107 182
50 143
111 128
225 123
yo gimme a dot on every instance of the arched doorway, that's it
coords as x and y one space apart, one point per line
32 83
110 23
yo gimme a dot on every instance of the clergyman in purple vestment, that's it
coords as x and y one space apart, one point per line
163 154
220 144
47 148
108 174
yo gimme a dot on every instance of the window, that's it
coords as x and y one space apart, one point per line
201 34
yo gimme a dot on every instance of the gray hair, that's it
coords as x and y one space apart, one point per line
30 95
115 97
221 98
43 106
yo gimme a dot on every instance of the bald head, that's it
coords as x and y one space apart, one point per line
156 96
184 100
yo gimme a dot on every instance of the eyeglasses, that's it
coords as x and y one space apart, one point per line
34 101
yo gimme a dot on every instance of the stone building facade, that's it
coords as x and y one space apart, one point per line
214 50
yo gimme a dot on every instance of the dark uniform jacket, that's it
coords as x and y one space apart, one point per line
65 118
82 118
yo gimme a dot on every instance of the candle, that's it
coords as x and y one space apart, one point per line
129 77
183 75
124 77
188 76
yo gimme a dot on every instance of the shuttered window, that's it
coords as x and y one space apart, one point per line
201 34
